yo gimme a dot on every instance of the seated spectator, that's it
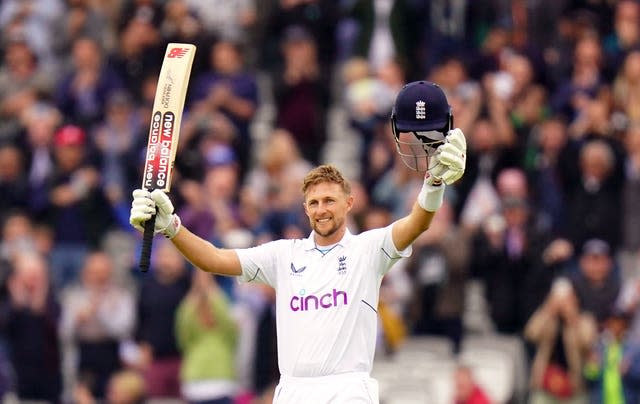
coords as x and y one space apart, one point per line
596 283
561 333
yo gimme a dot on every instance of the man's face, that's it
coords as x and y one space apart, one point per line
327 205
596 267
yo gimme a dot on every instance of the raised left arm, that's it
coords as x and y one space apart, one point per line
447 166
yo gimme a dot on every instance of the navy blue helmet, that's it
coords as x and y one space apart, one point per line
420 120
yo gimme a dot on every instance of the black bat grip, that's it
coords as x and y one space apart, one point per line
147 240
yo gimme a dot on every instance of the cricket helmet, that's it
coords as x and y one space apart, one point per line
420 120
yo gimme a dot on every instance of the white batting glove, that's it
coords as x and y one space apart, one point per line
450 159
144 206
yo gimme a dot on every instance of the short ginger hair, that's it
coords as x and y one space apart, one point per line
325 173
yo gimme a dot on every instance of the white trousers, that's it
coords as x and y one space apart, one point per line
346 388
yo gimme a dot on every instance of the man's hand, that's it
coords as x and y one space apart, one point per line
144 206
449 162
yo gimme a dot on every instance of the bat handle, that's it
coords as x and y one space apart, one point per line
147 240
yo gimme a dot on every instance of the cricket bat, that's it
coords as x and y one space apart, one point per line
164 130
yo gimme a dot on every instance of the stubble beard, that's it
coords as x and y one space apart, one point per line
329 232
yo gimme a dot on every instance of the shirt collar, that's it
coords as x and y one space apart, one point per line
310 244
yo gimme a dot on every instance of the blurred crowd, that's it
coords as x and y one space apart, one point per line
545 222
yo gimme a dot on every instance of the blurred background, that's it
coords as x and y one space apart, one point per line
525 289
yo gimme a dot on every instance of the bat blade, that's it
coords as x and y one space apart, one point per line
164 129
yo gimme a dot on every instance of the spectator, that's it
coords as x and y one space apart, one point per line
629 304
613 368
118 141
159 295
630 245
211 207
477 197
83 18
182 24
18 237
14 185
506 254
29 319
367 101
207 338
596 282
319 19
70 201
229 89
625 36
23 79
234 20
85 88
272 187
41 121
301 95
585 81
35 22
439 271
97 316
550 166
562 334
396 188
626 83
594 202
515 101
464 93
136 55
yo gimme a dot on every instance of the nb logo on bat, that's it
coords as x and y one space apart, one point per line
177 52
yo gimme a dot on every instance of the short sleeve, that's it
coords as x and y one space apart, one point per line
259 264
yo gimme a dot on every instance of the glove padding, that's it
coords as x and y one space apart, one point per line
144 206
449 161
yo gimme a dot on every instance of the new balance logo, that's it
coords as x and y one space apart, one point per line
177 52
297 270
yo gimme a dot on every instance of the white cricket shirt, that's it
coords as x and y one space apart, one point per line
326 304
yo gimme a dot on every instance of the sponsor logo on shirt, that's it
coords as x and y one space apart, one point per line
312 302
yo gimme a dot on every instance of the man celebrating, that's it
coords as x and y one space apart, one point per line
327 285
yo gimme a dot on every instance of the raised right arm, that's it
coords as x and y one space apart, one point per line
205 255
198 251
